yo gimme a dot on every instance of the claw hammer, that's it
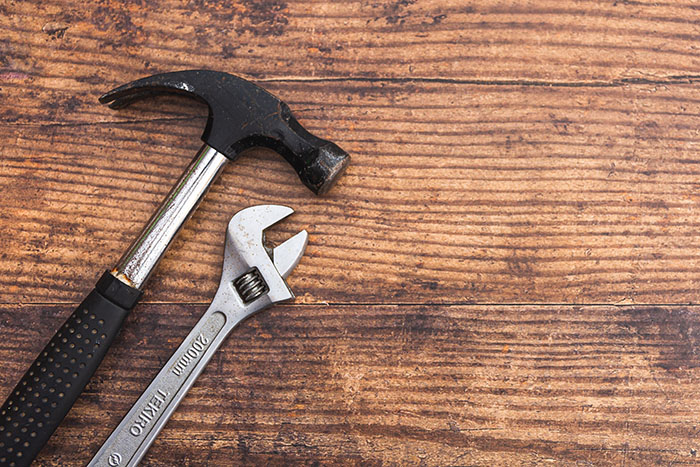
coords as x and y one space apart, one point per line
241 115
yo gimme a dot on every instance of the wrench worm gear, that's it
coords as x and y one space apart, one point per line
250 285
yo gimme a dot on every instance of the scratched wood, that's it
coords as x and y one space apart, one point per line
457 194
76 43
386 384
502 276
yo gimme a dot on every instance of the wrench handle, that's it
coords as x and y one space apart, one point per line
129 442
47 391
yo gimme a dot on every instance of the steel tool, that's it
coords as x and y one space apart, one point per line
252 280
241 115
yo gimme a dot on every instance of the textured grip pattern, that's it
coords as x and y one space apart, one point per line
48 389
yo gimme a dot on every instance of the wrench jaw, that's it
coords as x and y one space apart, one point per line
287 255
247 262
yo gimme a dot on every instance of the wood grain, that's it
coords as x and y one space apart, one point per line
542 41
400 385
506 274
457 194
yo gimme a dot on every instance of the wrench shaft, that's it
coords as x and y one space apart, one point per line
139 428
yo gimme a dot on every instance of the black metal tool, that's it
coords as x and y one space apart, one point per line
241 115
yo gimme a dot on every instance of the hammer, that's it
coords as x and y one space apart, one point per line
241 115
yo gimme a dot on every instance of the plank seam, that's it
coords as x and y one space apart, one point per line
365 304
667 80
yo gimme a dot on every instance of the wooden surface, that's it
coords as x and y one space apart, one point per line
507 274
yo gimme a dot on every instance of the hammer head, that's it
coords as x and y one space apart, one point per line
243 115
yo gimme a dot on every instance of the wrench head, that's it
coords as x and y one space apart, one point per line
245 252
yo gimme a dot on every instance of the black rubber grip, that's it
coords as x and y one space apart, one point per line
49 388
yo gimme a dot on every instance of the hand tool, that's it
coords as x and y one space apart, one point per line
252 280
241 115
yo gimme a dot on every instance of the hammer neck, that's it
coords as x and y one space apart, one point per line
135 267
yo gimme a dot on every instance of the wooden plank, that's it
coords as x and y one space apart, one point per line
50 46
384 384
456 194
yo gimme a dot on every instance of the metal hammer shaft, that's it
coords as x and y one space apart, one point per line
135 267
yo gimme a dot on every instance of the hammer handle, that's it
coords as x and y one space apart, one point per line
54 381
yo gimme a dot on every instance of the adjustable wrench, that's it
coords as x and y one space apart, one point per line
252 280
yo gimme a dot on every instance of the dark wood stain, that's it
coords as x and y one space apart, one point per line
678 327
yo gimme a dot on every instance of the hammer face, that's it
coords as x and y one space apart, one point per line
326 166
243 115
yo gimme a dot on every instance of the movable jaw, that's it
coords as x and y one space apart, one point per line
256 276
243 115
